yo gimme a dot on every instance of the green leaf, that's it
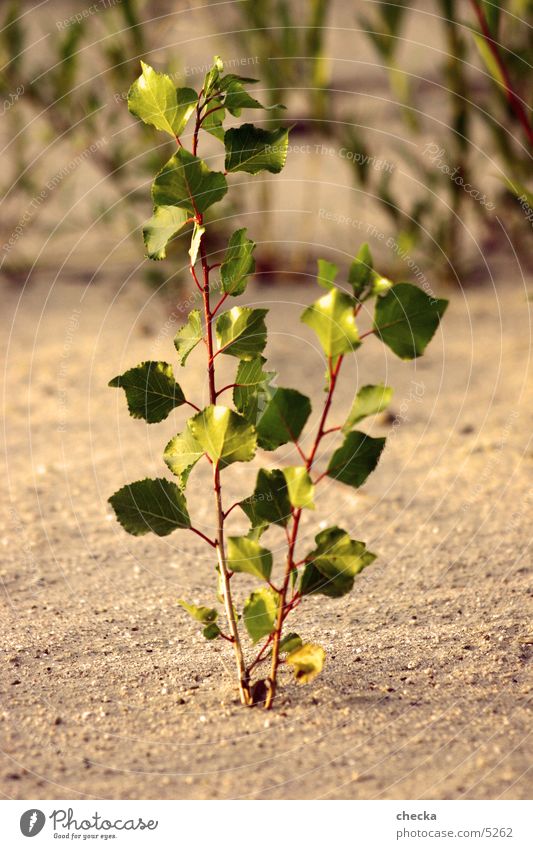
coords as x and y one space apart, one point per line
246 555
151 390
300 486
236 98
406 319
212 631
197 233
188 336
251 388
327 272
156 506
205 615
154 99
361 272
369 401
228 79
181 455
186 182
260 612
269 502
251 149
212 78
161 228
241 332
332 318
225 436
238 263
331 568
290 642
307 662
357 457
283 418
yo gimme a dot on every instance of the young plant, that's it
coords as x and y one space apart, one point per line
405 319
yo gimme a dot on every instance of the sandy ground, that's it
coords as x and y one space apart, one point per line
109 691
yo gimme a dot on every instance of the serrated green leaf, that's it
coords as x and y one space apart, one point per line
260 612
228 79
225 436
251 388
283 417
406 319
197 233
332 567
154 99
251 149
188 336
300 487
361 272
238 263
332 318
151 390
161 228
236 98
205 615
186 182
241 332
246 555
269 502
327 272
156 506
307 662
181 455
357 457
212 631
369 401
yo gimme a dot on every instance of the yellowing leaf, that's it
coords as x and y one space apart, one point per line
154 99
307 662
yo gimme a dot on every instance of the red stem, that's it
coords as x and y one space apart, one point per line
204 537
284 609
229 386
219 545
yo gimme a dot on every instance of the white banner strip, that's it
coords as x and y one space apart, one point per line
264 824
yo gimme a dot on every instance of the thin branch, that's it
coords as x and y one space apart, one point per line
229 386
225 637
219 304
210 112
228 511
292 538
300 452
190 403
211 542
260 654
195 278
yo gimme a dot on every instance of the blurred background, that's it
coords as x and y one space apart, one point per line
403 134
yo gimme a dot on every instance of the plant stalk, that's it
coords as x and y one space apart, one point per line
282 609
242 675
